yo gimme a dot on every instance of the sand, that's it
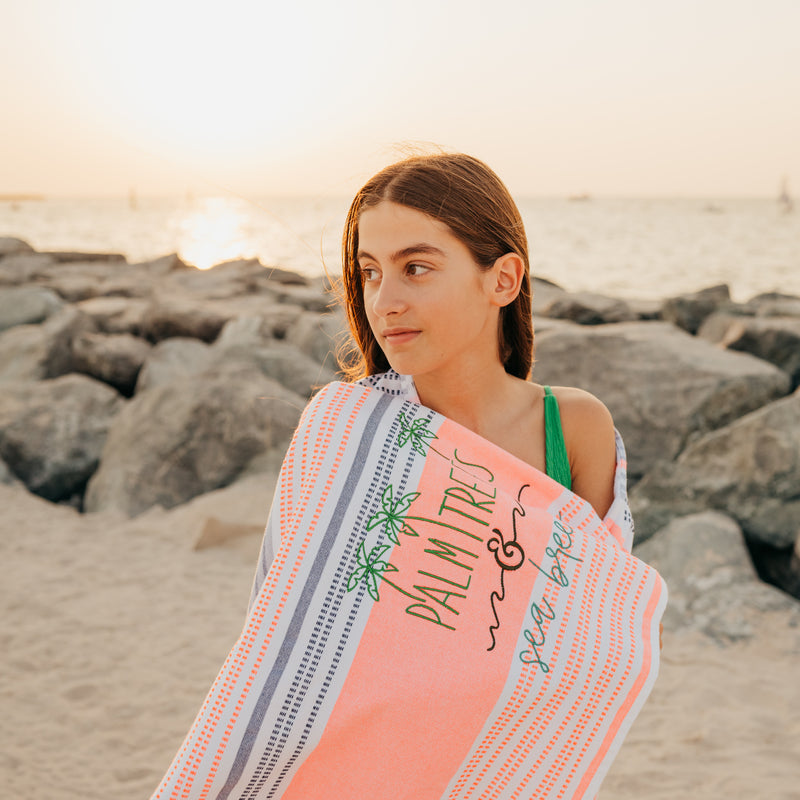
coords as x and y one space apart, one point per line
113 630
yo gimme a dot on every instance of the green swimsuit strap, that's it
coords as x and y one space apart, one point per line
555 450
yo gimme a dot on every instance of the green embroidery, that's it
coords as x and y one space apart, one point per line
370 568
392 514
417 433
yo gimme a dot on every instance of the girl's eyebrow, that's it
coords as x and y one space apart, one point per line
412 250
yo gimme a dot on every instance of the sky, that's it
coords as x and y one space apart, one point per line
267 97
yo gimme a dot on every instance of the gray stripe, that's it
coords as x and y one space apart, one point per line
270 685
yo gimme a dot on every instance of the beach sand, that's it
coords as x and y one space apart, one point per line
114 629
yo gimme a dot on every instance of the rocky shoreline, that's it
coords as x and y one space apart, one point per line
129 386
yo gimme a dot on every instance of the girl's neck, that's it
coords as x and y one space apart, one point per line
471 398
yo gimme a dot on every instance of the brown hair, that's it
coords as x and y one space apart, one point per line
473 202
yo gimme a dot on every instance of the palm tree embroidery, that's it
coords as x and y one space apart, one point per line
393 514
417 433
370 567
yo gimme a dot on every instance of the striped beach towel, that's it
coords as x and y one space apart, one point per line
439 620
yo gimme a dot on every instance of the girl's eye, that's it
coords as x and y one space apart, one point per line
368 274
415 270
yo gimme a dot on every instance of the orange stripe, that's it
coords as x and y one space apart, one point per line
632 693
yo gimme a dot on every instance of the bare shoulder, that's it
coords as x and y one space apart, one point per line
582 412
591 448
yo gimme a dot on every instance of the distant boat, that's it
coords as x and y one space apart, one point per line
579 198
713 208
784 198
133 201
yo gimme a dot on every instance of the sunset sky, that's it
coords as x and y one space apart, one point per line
611 97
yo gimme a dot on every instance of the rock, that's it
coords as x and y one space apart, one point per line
163 265
588 308
545 292
688 311
22 267
76 281
320 336
716 325
713 586
115 314
114 359
191 436
33 352
774 304
52 432
68 257
245 330
661 385
281 362
6 475
171 360
27 305
178 317
645 309
775 339
750 470
10 245
306 298
232 279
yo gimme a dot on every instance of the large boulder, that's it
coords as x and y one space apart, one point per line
172 360
52 432
191 318
163 265
114 359
10 245
750 470
775 339
79 280
191 436
588 308
688 311
244 341
544 292
232 279
281 362
23 267
33 352
661 385
27 305
6 475
713 586
115 314
774 304
320 336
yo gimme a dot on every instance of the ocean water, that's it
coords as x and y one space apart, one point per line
632 248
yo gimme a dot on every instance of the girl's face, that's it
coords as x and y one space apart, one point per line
428 303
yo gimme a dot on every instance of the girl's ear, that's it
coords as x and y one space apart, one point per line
507 273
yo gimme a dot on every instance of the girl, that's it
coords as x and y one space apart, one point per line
445 605
438 287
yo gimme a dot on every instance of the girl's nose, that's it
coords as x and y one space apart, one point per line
388 297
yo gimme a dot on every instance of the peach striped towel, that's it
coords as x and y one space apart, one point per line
439 620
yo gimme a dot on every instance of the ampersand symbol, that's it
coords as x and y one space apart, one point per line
508 555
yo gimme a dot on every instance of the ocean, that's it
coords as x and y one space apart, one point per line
631 248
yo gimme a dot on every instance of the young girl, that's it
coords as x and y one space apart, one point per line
445 605
438 287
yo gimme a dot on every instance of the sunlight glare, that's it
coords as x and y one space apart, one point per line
216 230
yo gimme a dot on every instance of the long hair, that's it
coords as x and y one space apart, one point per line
473 202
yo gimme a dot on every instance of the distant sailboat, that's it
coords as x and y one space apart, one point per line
784 198
133 201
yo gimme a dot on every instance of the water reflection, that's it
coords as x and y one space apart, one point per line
212 230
